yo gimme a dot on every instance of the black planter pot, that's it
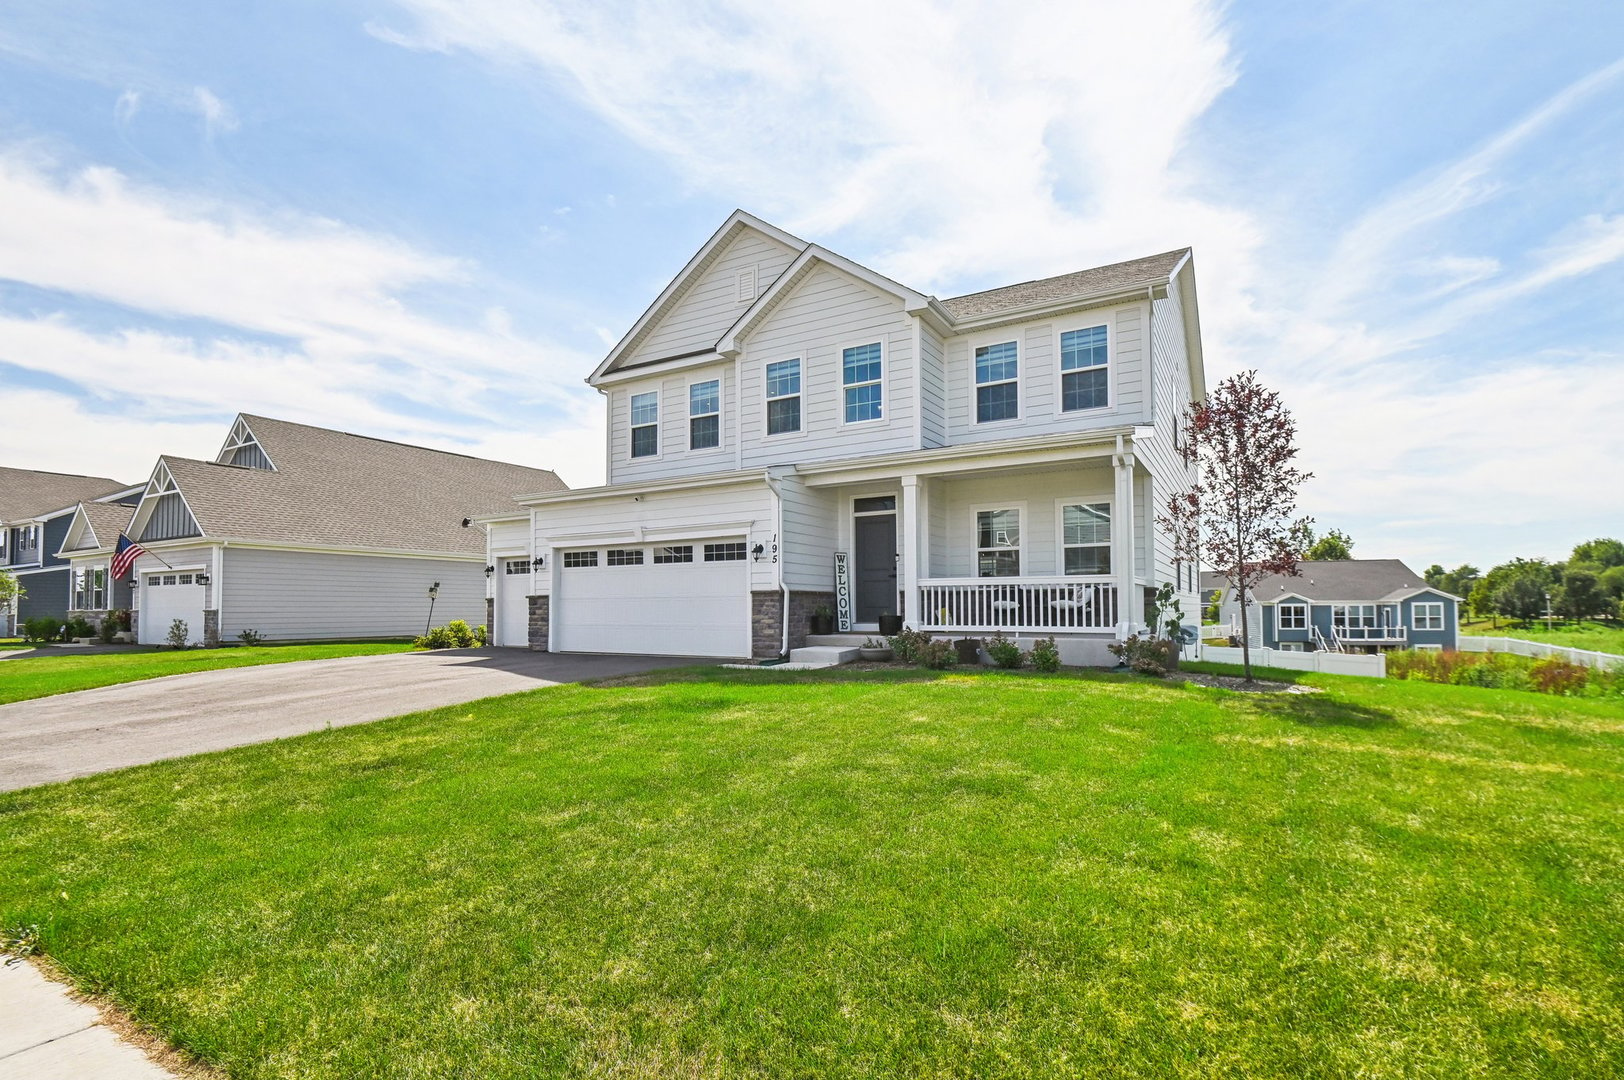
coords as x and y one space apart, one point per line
822 624
969 650
890 625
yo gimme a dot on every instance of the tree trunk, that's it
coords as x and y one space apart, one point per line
1246 642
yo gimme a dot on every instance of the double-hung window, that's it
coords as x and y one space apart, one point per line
80 597
1293 616
998 388
1084 382
860 374
98 589
1085 537
1427 616
998 543
783 397
646 424
705 415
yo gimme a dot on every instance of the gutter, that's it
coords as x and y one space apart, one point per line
778 565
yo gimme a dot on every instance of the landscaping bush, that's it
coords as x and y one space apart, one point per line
1505 671
1045 655
179 636
1558 675
250 638
42 628
938 655
455 634
78 627
907 645
1145 655
107 630
1004 652
121 618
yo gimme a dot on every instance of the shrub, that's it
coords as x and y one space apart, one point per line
1505 671
938 655
179 635
1045 655
1004 652
250 637
455 634
121 617
42 628
907 645
78 627
106 631
1558 675
1145 655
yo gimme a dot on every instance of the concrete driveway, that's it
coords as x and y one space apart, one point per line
111 727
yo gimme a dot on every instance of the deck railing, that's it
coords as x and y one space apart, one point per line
1017 604
1369 633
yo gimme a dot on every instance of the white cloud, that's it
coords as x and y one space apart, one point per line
127 105
218 117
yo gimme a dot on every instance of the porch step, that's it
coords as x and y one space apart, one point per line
824 654
847 641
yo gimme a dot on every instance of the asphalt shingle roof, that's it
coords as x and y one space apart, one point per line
334 488
1356 580
1100 279
107 520
27 492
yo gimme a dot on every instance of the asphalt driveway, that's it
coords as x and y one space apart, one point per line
89 731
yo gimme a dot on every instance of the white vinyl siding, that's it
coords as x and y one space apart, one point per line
676 456
953 505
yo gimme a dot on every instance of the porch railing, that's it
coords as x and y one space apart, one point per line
1017 604
1369 633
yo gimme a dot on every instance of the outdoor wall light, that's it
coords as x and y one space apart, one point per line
434 590
489 570
758 551
538 562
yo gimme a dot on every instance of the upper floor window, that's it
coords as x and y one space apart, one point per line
860 372
1427 616
998 543
783 397
998 394
1084 382
646 424
1085 537
1293 616
705 415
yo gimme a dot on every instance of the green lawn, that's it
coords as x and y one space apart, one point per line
842 875
1605 637
40 676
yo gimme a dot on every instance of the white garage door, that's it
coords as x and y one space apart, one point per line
512 603
676 600
166 597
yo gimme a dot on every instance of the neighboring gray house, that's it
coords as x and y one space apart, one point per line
788 429
35 511
304 533
1350 605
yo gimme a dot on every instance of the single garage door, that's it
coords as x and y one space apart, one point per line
674 600
513 604
166 597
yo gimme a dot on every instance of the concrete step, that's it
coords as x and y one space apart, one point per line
848 641
824 654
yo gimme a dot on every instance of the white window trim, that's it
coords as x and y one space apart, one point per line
1019 506
1061 328
631 428
840 377
1280 617
1434 610
721 425
1020 367
1060 544
799 432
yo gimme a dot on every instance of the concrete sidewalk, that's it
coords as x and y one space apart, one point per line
46 1035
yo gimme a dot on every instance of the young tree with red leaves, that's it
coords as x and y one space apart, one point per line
1238 517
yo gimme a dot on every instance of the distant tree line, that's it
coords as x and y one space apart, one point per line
1590 584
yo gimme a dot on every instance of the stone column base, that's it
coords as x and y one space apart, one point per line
540 621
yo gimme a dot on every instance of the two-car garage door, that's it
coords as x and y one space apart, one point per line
673 600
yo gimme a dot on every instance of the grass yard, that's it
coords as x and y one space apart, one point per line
41 676
865 874
1600 636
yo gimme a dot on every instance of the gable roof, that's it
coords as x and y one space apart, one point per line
332 488
25 493
1150 270
98 525
1366 581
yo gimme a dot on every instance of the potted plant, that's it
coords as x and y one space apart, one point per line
969 650
823 619
874 650
890 625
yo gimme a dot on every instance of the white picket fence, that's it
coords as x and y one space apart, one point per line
1520 647
1331 663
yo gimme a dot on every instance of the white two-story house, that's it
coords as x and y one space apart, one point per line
789 430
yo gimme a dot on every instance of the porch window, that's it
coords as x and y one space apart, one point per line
998 543
704 415
1085 537
783 397
860 370
1356 616
1084 383
1293 616
998 395
646 424
1427 616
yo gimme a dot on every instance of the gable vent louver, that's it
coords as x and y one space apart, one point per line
747 284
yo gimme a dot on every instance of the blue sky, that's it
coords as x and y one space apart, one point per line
427 219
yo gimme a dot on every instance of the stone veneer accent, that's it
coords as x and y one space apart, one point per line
766 626
540 615
490 620
211 628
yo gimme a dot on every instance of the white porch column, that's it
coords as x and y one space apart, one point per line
1124 522
911 536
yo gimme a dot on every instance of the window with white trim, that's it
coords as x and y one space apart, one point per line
645 416
1293 616
998 543
511 567
1358 616
705 415
783 397
674 553
1427 615
860 375
1084 371
80 593
625 557
998 388
1085 537
732 551
574 560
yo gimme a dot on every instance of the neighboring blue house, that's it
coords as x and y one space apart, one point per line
1352 605
35 511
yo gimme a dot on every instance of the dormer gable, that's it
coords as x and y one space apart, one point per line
163 513
242 448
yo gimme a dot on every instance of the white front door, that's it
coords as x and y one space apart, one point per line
513 603
166 597
688 599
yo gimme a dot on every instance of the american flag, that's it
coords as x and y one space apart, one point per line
126 554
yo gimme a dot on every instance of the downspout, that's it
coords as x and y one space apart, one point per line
778 560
